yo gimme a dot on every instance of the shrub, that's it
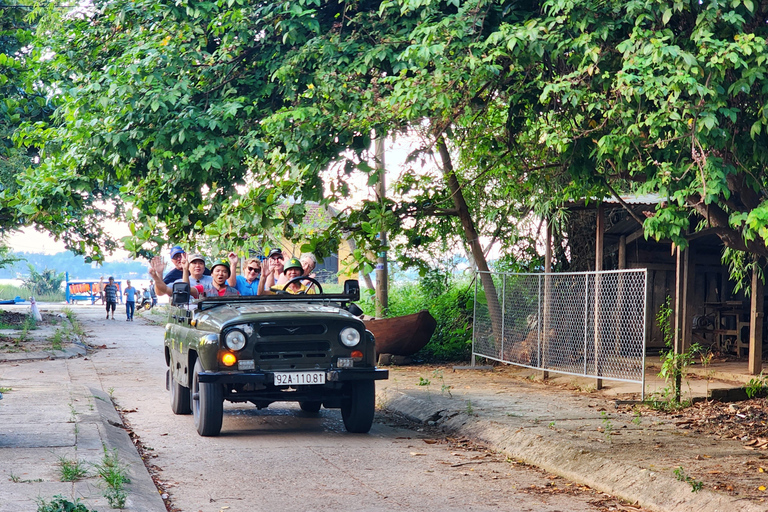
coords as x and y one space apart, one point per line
449 301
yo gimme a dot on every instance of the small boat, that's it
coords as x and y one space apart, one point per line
402 335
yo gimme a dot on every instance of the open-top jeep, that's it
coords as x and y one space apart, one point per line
303 348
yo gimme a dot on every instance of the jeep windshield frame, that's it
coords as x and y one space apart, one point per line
205 303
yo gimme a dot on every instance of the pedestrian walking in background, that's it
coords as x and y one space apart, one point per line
110 294
153 294
130 301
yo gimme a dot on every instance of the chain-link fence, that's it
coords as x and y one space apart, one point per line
590 324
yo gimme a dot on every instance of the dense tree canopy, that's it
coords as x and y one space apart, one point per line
211 114
19 101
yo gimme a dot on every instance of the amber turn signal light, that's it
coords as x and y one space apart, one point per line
228 359
356 354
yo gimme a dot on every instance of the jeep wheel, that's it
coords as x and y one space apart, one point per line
207 404
180 403
310 406
357 410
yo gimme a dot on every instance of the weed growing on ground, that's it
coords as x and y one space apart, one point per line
607 426
5 390
17 479
637 418
114 474
469 410
61 504
72 413
756 386
444 388
71 470
696 485
423 382
77 327
56 341
674 366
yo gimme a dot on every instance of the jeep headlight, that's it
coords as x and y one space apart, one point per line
235 340
350 336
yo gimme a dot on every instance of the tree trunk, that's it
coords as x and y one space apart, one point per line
472 240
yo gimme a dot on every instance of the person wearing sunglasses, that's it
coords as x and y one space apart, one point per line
247 284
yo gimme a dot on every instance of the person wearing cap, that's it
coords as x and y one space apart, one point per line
275 273
177 271
292 270
218 288
110 294
157 267
249 283
193 272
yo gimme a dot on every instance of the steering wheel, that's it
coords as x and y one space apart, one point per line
303 278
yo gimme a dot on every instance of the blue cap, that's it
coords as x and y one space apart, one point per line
176 250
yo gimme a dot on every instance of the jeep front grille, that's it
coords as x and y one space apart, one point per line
290 330
306 351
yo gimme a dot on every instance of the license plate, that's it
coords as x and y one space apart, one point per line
299 378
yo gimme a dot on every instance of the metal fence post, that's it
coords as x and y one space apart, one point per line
474 320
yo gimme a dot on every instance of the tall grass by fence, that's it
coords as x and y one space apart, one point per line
9 292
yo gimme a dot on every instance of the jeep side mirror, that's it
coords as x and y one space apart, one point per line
352 288
180 295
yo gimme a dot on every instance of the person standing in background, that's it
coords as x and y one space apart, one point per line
110 294
152 293
101 290
130 301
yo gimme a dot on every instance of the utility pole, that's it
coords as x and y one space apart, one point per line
382 272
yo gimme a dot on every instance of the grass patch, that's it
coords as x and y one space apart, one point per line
114 474
71 470
56 341
8 292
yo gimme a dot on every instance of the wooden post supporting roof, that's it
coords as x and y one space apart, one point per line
683 285
756 326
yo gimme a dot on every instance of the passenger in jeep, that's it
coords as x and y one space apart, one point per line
218 286
292 270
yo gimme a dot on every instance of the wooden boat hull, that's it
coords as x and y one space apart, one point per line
402 335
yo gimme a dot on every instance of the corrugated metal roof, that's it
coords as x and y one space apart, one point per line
635 199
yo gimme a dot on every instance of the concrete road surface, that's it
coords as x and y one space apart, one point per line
282 459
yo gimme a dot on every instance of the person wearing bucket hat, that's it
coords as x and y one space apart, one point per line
293 269
218 286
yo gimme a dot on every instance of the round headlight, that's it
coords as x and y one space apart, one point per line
350 336
235 340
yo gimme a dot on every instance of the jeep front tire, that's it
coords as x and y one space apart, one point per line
357 409
207 404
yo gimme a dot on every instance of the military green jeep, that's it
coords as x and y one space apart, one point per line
271 348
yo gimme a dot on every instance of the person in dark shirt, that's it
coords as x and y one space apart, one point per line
110 294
